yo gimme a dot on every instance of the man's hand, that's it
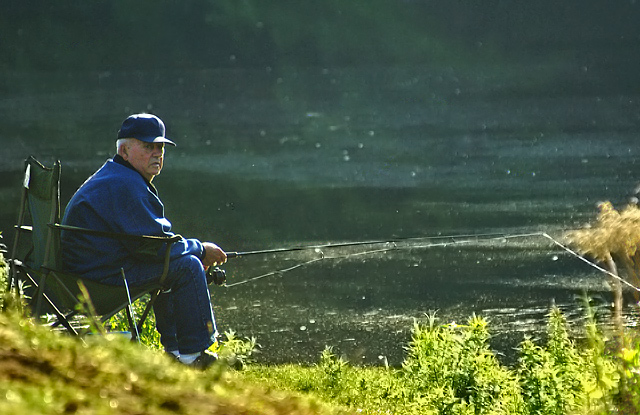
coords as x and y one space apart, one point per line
213 255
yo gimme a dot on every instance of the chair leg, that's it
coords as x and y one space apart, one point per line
62 319
12 281
135 334
13 278
132 325
39 294
147 310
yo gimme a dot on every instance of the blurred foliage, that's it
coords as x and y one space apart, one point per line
4 279
104 35
628 398
614 240
204 33
42 372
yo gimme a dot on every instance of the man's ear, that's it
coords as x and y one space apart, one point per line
123 151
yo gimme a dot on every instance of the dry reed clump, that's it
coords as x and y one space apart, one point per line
615 234
614 240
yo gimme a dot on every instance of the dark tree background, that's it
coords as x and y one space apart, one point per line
102 35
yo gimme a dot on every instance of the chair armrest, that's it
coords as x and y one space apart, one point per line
115 235
147 242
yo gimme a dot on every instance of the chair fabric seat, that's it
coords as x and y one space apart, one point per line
105 298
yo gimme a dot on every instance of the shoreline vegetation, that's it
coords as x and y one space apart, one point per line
448 368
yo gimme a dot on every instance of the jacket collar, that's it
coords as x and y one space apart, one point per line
118 159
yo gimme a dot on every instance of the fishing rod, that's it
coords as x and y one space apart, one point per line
217 275
355 243
300 248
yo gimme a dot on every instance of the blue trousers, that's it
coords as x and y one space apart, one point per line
184 317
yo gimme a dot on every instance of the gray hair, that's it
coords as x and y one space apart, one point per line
121 142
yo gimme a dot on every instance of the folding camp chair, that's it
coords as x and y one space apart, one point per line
61 293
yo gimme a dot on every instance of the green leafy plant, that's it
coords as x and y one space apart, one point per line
450 369
604 379
548 376
235 351
15 299
333 368
627 398
4 280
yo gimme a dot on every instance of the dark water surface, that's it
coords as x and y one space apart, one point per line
276 158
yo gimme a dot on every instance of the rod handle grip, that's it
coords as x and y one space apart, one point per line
232 255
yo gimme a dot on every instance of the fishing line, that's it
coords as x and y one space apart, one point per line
302 264
394 245
358 243
391 245
594 265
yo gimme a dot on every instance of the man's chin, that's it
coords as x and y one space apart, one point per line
154 171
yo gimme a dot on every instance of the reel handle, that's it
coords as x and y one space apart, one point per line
216 276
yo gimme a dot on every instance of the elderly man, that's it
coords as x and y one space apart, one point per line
120 197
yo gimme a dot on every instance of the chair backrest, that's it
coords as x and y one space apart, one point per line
42 191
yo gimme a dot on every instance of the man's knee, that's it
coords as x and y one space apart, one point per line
186 268
190 262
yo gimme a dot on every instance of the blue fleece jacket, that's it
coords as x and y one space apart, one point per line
117 199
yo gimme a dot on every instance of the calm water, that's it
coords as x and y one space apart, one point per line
270 159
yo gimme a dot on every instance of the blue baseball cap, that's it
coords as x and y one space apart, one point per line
144 127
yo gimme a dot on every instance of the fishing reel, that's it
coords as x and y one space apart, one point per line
216 276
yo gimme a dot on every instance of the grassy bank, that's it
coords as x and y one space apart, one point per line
46 373
448 369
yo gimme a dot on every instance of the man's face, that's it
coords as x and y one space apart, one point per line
146 158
